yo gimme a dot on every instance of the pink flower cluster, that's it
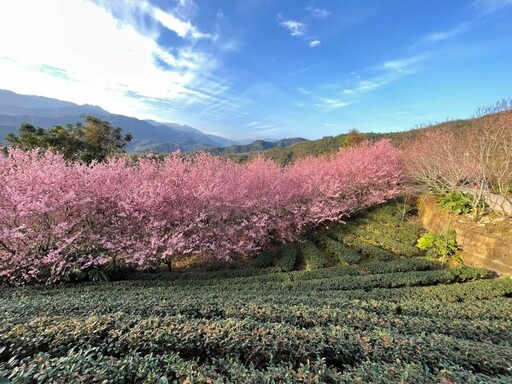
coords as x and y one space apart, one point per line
58 218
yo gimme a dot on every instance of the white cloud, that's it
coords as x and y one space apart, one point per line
329 104
314 43
86 55
319 13
296 28
182 28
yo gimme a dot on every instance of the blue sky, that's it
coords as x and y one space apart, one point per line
263 68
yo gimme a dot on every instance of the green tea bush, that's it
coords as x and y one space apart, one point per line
314 258
367 249
343 254
288 258
263 260
409 319
383 241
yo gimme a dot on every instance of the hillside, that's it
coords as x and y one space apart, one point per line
331 144
256 146
351 304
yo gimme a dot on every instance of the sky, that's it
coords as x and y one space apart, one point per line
247 69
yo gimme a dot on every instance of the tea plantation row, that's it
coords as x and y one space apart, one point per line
400 321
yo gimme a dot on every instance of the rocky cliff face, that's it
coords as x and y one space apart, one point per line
484 244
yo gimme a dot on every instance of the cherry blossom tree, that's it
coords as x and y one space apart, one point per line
58 219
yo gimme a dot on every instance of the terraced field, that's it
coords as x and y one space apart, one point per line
363 309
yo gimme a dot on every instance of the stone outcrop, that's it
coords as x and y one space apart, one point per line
487 245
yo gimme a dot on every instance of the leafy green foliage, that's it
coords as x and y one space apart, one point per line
314 258
343 254
255 146
263 260
457 202
505 189
353 139
375 235
288 258
441 245
94 141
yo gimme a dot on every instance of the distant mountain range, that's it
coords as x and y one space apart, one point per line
148 135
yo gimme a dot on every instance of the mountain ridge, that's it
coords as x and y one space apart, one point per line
149 135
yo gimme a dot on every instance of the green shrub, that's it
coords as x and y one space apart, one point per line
343 254
367 249
505 189
314 258
263 260
409 320
381 240
288 258
457 202
441 245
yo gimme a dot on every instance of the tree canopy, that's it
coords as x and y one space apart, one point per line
353 139
95 140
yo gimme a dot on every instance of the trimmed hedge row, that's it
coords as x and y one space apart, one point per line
87 365
369 250
407 320
343 254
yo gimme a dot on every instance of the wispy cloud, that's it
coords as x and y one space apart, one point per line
315 43
445 35
405 65
54 71
489 6
296 28
386 73
330 104
365 86
318 13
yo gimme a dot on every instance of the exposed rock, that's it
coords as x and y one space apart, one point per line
487 245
